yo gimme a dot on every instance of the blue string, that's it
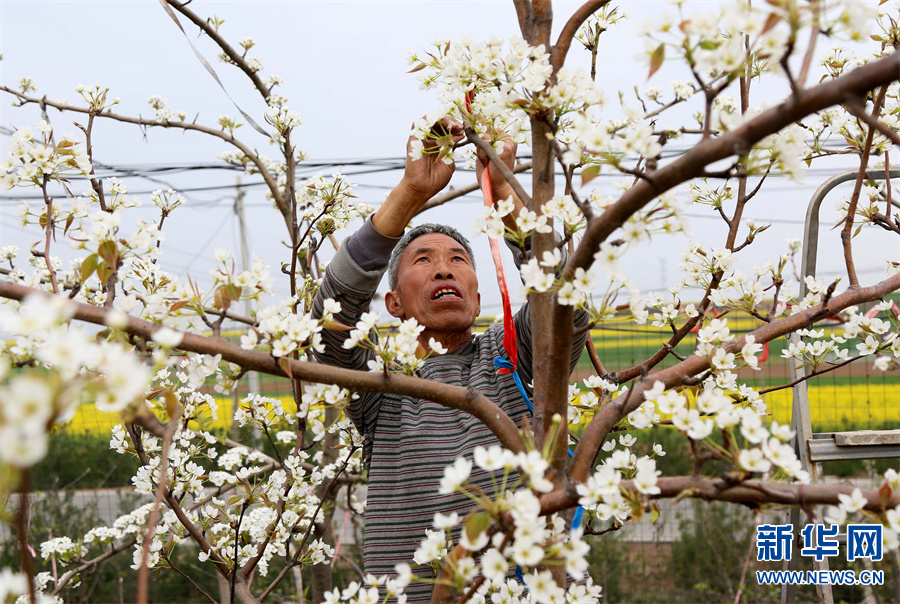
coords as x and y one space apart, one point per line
502 363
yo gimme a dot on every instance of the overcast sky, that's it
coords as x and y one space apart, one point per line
344 66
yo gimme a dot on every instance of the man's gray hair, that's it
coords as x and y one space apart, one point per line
423 229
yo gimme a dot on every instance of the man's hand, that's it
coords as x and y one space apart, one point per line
423 178
499 186
428 175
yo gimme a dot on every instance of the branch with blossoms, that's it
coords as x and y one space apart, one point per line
691 164
164 121
676 375
455 397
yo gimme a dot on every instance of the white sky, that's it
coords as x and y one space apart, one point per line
344 66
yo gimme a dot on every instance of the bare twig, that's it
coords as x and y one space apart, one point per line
161 488
233 55
811 47
812 374
186 576
564 42
847 231
595 358
48 228
25 550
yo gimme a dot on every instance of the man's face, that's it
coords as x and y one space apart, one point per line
436 285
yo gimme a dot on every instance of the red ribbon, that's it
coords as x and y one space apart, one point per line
509 328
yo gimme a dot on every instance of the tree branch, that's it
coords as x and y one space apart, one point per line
456 397
150 530
451 194
748 492
564 41
229 50
737 142
847 231
221 134
613 412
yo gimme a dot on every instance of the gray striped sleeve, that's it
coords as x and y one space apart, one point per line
354 287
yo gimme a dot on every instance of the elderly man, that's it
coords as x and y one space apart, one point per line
408 442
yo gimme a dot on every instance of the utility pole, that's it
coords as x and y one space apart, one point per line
252 376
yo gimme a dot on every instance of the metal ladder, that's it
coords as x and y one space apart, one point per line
813 448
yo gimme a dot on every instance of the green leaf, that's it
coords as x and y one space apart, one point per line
708 45
103 272
88 266
221 299
110 253
477 524
172 404
589 173
233 292
656 59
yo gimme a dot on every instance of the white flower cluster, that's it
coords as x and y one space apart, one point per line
874 335
283 118
164 113
714 408
327 205
326 394
166 200
287 332
532 541
262 411
713 41
95 96
699 265
277 505
34 158
400 351
504 81
852 506
71 368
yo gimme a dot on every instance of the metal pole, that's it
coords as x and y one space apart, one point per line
801 422
252 376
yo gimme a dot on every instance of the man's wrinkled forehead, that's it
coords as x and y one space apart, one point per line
422 245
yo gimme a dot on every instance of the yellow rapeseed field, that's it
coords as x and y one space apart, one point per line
832 407
857 405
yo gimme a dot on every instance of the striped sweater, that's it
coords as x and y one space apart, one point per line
409 442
